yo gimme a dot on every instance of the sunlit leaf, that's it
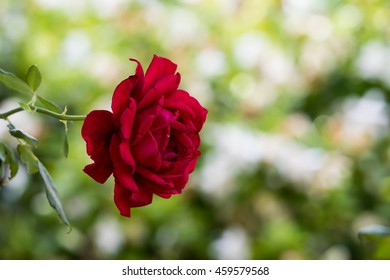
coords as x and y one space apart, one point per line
33 77
49 105
52 194
28 158
25 106
15 132
14 83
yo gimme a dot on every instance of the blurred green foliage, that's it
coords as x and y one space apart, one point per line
295 149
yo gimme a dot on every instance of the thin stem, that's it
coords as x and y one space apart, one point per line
57 115
40 110
9 113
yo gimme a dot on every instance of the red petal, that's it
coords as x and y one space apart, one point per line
152 177
159 67
125 199
126 154
141 198
193 107
97 128
122 171
146 152
161 128
127 119
121 96
162 86
99 171
96 131
121 199
139 85
143 121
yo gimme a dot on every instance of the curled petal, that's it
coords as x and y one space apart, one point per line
96 131
193 107
125 199
146 152
166 84
123 173
127 119
159 68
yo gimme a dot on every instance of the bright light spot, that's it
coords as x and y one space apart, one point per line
349 17
183 26
319 28
248 49
108 236
106 8
232 245
211 62
76 47
303 7
374 61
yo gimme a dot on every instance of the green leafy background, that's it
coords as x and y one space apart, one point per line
296 154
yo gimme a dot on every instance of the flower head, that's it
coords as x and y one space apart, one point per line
150 141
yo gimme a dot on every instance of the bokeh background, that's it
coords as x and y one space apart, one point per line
295 149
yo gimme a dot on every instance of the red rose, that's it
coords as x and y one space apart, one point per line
149 141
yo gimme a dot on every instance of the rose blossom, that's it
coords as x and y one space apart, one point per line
150 140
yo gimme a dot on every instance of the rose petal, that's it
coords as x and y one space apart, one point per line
121 199
121 96
96 131
143 121
97 128
125 152
127 119
161 129
159 68
122 172
99 171
146 152
160 190
197 112
152 177
139 85
141 198
166 84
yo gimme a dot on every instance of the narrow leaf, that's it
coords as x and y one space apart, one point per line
66 145
374 232
52 194
22 135
50 105
3 166
66 142
3 174
12 161
14 83
33 77
28 158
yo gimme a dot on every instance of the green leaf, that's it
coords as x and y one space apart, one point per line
374 232
22 135
33 77
66 142
11 160
52 194
66 145
14 83
25 106
28 158
50 105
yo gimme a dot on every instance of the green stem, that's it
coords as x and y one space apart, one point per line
40 110
9 113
